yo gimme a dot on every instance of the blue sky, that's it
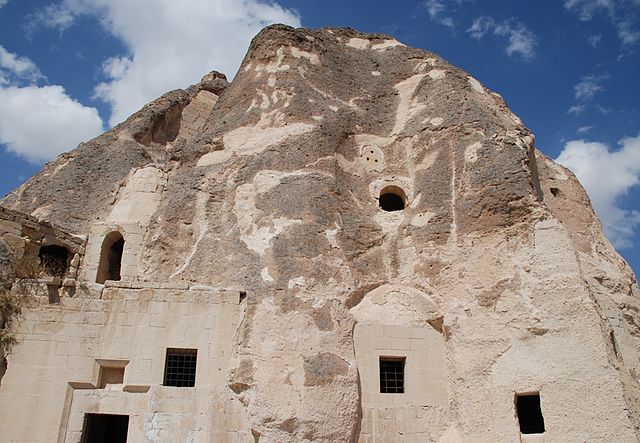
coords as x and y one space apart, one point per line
70 69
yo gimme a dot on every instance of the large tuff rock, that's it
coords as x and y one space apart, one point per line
272 184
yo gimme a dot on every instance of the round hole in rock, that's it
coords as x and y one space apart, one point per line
392 198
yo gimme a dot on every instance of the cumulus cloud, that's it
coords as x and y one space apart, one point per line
170 44
521 40
39 123
608 175
3 2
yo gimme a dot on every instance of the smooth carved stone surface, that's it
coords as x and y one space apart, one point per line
271 184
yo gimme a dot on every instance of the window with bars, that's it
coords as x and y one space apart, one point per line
180 367
392 375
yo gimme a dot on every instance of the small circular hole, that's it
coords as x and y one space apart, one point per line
392 198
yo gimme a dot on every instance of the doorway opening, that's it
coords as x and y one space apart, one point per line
105 428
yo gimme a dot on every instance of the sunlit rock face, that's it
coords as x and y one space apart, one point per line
373 201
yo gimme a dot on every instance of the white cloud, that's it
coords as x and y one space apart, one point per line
57 16
3 2
116 67
627 34
588 87
586 9
576 109
437 13
36 122
172 44
622 14
521 40
584 129
585 90
14 68
481 26
608 176
39 123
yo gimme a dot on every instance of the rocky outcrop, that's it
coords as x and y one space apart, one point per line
272 184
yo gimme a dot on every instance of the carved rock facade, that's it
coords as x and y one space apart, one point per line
242 227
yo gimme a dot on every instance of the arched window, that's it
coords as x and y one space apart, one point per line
110 257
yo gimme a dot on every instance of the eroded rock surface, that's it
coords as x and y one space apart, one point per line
271 184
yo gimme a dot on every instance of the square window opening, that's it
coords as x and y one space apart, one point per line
180 367
529 413
392 375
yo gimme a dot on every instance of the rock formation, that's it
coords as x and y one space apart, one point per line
366 200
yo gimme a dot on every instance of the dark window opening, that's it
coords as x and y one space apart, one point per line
555 191
110 258
529 413
180 367
105 428
392 375
54 260
392 198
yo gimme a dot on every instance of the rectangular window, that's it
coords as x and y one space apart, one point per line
392 375
180 367
529 413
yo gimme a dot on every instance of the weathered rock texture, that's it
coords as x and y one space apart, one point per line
495 279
